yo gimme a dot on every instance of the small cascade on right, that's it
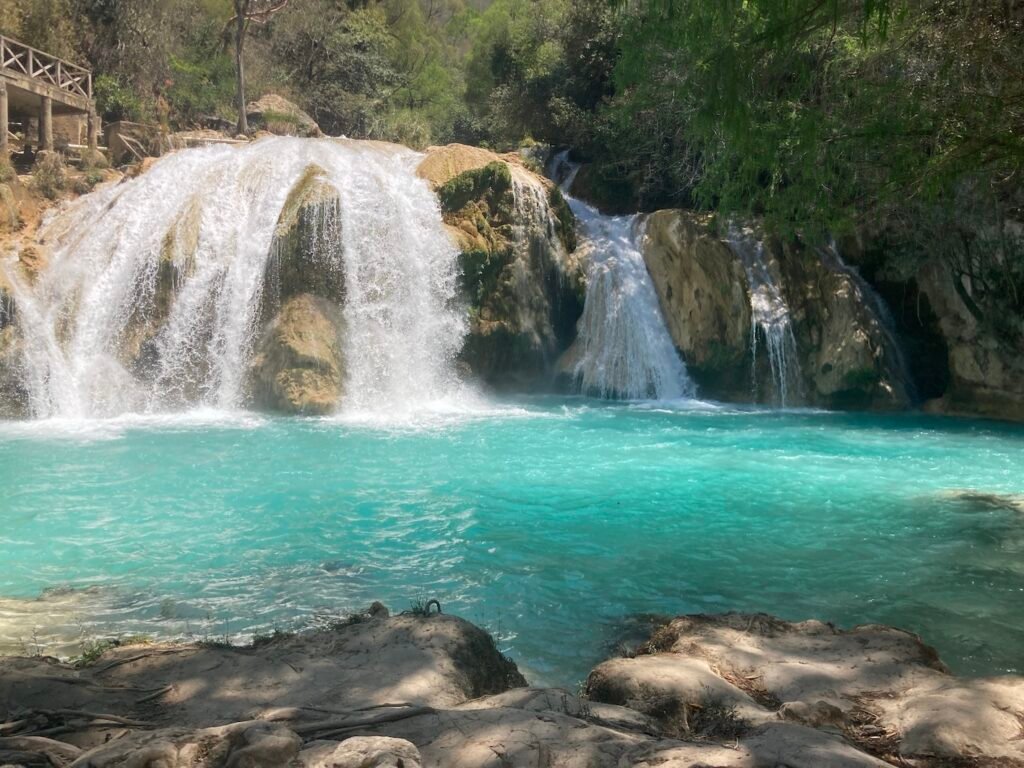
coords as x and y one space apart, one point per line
623 349
899 365
769 319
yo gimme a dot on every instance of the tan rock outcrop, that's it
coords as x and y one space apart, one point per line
883 689
520 278
843 354
986 373
702 289
299 363
305 254
731 691
361 752
845 357
252 744
275 114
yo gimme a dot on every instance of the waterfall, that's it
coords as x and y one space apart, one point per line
769 317
869 297
623 348
178 259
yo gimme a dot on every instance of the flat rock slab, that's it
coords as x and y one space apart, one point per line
728 691
436 661
882 689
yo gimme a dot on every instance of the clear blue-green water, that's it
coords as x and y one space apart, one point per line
551 522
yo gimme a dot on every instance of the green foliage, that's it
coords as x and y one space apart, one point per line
7 172
566 222
494 179
94 160
200 86
424 607
114 100
539 69
479 271
84 184
92 650
48 176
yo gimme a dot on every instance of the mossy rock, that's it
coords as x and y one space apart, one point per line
480 272
13 395
304 254
492 182
565 220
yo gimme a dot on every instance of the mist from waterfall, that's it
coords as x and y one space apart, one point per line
623 348
212 214
769 318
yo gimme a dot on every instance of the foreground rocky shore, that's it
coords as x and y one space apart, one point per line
730 690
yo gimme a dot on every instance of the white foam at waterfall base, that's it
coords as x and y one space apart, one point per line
403 325
623 347
769 315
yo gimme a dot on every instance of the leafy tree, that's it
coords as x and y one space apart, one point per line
247 12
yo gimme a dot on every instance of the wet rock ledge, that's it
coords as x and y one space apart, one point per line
730 691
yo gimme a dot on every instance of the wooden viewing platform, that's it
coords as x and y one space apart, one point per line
35 83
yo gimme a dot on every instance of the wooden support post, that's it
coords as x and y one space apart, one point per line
4 126
93 130
46 125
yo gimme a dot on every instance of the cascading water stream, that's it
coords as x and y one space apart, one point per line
623 349
178 259
769 317
868 296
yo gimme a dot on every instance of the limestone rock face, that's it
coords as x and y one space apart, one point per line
251 744
299 365
304 257
703 289
986 373
521 281
361 752
275 114
13 397
845 357
883 689
731 691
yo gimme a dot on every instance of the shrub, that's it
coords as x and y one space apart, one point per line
93 159
7 172
114 100
48 175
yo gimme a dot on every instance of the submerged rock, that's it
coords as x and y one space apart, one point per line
299 363
516 237
1013 502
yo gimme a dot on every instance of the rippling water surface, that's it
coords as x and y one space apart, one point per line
551 522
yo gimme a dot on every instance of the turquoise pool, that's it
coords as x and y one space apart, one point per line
552 522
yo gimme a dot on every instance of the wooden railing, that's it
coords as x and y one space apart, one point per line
26 60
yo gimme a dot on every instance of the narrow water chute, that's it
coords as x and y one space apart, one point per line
623 349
